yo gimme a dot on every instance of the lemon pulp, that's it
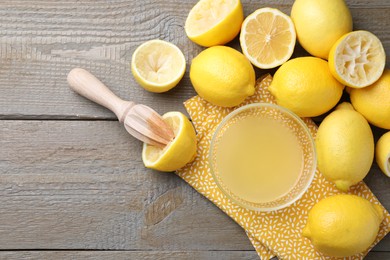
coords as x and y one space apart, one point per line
208 14
258 159
214 22
357 59
158 65
268 38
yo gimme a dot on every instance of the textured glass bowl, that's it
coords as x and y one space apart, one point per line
290 121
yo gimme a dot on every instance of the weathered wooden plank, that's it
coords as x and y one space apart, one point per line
82 185
378 256
120 4
148 255
40 41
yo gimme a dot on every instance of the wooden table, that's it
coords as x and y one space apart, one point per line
72 182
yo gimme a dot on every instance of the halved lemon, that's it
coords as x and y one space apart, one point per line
214 22
382 153
268 38
158 65
357 59
180 151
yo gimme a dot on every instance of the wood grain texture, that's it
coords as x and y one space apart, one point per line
149 255
41 41
71 185
82 185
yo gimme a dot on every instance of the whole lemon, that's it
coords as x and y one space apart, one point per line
373 102
306 86
343 225
345 147
320 23
222 76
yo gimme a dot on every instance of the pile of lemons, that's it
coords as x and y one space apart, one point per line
308 86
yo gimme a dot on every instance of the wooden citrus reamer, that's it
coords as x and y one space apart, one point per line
140 121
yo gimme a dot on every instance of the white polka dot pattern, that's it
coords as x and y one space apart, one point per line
271 233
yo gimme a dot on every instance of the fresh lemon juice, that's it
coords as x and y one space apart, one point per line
259 159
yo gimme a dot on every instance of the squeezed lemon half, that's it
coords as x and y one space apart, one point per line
357 59
178 152
158 65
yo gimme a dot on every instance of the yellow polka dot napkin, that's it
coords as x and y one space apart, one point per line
275 233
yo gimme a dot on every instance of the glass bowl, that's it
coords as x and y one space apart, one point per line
295 126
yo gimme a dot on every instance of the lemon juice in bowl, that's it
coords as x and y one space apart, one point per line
262 157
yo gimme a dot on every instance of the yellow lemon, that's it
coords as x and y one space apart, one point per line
345 147
268 38
222 76
382 153
343 225
373 102
357 59
306 87
320 23
214 22
180 151
158 65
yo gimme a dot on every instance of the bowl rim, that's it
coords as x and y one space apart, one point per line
298 120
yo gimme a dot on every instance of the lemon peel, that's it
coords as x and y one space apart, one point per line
306 87
319 24
222 76
373 101
345 147
335 225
